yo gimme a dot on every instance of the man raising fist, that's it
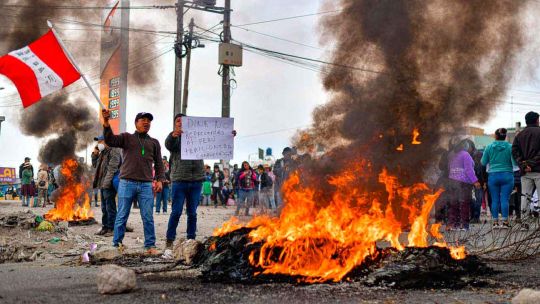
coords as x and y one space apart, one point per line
139 153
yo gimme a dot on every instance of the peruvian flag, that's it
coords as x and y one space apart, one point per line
39 69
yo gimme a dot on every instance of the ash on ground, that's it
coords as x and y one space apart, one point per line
225 259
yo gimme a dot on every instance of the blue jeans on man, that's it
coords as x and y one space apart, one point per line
189 192
108 208
128 191
162 198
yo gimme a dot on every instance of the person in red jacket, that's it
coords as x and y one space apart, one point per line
246 184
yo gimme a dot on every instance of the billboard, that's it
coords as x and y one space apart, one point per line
114 62
8 175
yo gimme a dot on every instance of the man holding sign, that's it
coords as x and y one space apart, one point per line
187 165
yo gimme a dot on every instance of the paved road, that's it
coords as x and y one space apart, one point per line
34 283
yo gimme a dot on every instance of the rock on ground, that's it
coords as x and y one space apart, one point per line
106 253
113 279
527 296
187 250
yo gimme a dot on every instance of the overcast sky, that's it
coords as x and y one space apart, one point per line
272 99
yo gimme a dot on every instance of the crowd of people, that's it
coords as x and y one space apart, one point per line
129 167
36 187
502 178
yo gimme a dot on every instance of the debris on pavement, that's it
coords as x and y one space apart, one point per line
113 279
527 296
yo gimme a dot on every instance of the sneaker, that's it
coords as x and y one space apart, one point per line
169 244
103 231
505 225
157 212
496 225
151 251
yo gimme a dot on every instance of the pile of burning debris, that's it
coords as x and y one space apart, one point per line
333 238
227 259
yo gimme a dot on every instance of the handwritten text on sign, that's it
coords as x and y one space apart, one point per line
207 138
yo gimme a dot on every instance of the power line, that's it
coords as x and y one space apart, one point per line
278 38
78 7
288 18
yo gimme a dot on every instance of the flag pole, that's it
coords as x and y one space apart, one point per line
68 54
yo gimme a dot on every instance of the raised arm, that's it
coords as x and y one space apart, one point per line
172 143
115 141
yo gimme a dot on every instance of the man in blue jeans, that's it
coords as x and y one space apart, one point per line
187 177
139 153
106 161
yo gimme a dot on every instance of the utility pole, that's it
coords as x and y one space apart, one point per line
2 119
178 61
188 65
226 78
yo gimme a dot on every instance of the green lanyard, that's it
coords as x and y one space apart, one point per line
142 144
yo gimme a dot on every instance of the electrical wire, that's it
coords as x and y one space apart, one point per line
288 18
278 38
78 7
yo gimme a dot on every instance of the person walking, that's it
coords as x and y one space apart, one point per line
139 153
246 193
498 155
526 153
461 180
42 185
217 185
162 198
106 161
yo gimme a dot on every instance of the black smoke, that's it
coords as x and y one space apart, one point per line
65 120
400 65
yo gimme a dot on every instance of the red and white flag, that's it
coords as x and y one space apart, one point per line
39 69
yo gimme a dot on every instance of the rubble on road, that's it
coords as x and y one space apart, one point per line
527 296
113 279
186 251
25 220
226 259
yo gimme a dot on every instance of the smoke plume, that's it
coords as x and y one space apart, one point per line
64 119
401 65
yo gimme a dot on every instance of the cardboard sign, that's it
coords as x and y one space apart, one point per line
207 138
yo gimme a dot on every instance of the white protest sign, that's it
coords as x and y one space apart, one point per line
207 138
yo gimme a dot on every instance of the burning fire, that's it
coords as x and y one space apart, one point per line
325 242
415 140
73 203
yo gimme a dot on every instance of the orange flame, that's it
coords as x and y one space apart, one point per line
325 243
73 203
415 140
457 252
400 148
